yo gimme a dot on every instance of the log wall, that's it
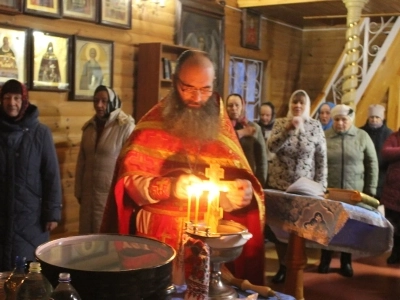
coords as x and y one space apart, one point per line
289 54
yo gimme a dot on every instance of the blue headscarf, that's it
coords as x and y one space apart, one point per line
331 105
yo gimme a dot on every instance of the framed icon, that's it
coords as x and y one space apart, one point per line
44 8
80 10
93 66
11 7
14 53
200 25
51 57
116 13
251 29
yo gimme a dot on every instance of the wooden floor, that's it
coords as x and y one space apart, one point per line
373 279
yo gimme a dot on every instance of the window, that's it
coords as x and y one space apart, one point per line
245 78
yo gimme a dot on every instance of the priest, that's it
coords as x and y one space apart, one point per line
170 149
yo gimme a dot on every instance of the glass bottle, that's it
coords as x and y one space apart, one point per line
64 289
15 278
35 286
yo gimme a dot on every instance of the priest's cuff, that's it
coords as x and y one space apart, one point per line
160 188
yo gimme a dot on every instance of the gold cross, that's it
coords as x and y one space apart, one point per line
215 173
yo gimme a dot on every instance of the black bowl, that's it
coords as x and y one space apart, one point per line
107 266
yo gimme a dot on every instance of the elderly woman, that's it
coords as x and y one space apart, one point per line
352 164
299 144
30 187
266 122
102 139
250 137
324 115
378 132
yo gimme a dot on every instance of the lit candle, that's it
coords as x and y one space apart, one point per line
196 216
189 191
208 214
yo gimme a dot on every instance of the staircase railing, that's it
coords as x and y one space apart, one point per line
376 40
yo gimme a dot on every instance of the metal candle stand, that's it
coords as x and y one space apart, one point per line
225 245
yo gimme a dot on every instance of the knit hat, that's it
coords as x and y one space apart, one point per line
342 110
376 110
13 86
113 100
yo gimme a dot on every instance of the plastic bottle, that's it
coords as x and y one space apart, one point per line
35 286
15 278
64 289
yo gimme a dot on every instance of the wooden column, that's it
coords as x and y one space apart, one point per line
393 108
354 8
296 260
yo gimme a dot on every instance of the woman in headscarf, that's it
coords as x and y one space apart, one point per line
324 115
250 137
299 144
30 187
352 164
102 139
266 122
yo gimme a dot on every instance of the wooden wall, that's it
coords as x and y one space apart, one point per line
321 48
280 51
290 56
64 117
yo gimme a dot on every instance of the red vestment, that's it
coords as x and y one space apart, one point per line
152 152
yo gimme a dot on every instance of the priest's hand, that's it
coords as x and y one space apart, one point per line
179 189
239 195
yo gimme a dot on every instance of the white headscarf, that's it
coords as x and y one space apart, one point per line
306 112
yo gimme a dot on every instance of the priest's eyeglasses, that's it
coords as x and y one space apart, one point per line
188 89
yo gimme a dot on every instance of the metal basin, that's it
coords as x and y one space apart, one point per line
104 266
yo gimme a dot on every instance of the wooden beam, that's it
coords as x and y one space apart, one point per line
345 16
255 3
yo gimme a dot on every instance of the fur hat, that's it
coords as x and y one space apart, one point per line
342 110
376 110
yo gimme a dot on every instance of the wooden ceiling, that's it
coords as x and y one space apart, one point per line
304 13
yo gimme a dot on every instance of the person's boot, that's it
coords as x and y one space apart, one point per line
345 265
394 257
325 261
280 276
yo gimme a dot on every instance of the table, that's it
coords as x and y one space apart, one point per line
307 221
241 295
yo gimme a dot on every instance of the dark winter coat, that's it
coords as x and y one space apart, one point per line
378 137
391 188
255 152
30 188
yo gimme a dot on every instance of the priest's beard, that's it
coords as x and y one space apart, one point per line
197 124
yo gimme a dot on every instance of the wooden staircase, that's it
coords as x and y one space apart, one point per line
384 88
380 82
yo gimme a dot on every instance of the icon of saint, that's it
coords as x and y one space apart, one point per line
8 64
49 70
92 75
